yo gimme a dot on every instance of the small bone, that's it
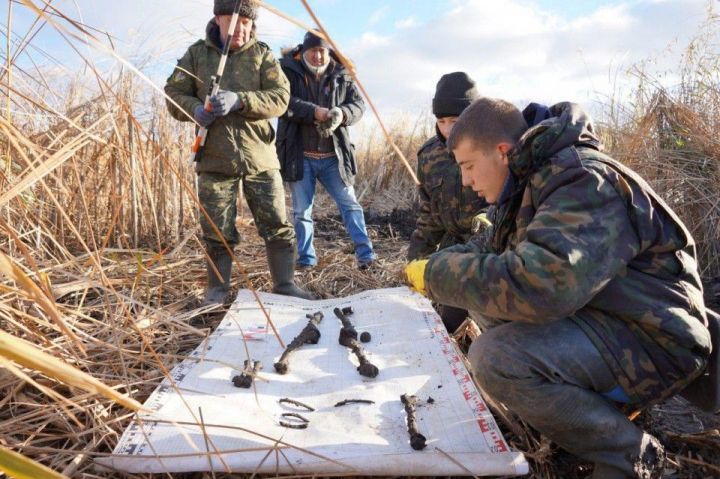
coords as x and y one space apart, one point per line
296 403
348 330
245 379
309 335
294 425
366 368
417 440
354 401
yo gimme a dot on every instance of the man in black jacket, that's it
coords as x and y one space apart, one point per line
313 144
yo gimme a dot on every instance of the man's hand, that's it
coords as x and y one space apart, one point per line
334 120
480 223
203 117
224 102
415 272
321 114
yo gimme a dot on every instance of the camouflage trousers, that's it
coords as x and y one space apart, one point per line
553 377
265 196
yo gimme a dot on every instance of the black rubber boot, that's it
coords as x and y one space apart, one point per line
217 289
549 375
281 261
452 317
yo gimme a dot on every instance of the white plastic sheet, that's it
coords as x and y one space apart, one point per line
241 426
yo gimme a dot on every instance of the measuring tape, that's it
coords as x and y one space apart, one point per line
484 417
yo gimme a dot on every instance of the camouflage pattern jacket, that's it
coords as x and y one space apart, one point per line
584 237
243 142
445 208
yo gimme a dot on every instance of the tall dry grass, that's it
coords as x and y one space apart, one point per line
97 213
669 134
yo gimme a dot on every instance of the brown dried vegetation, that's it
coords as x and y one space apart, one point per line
99 223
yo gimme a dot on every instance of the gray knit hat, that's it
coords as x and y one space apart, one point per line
454 92
248 8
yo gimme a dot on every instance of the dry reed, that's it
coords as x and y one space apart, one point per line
93 212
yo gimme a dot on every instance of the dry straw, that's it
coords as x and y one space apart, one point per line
103 259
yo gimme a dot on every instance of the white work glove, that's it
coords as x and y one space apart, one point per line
335 118
224 102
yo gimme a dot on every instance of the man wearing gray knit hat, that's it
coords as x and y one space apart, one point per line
240 145
248 8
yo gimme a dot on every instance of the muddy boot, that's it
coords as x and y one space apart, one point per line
281 261
648 464
217 289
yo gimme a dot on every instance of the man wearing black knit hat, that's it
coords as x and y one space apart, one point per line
239 146
314 145
446 209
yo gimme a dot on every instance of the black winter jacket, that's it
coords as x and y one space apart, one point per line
301 111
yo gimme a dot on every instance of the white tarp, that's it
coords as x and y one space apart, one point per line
241 426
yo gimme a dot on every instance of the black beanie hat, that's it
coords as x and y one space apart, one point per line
248 8
311 41
454 92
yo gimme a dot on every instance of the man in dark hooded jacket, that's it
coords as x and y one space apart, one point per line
314 145
239 146
588 292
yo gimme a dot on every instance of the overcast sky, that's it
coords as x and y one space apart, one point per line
542 50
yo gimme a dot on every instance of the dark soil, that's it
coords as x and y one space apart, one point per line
398 224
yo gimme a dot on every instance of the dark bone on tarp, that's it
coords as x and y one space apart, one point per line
348 330
245 380
348 338
417 440
303 424
297 403
309 335
345 402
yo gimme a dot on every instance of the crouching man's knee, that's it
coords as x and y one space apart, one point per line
488 356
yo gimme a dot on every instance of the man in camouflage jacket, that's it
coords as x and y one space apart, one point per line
589 290
446 209
240 143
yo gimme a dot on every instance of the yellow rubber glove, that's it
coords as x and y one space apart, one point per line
415 272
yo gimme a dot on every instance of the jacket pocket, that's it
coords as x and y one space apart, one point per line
263 131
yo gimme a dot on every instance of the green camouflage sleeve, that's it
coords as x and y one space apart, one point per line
181 88
428 230
478 244
271 101
578 240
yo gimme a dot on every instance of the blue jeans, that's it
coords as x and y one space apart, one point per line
303 194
